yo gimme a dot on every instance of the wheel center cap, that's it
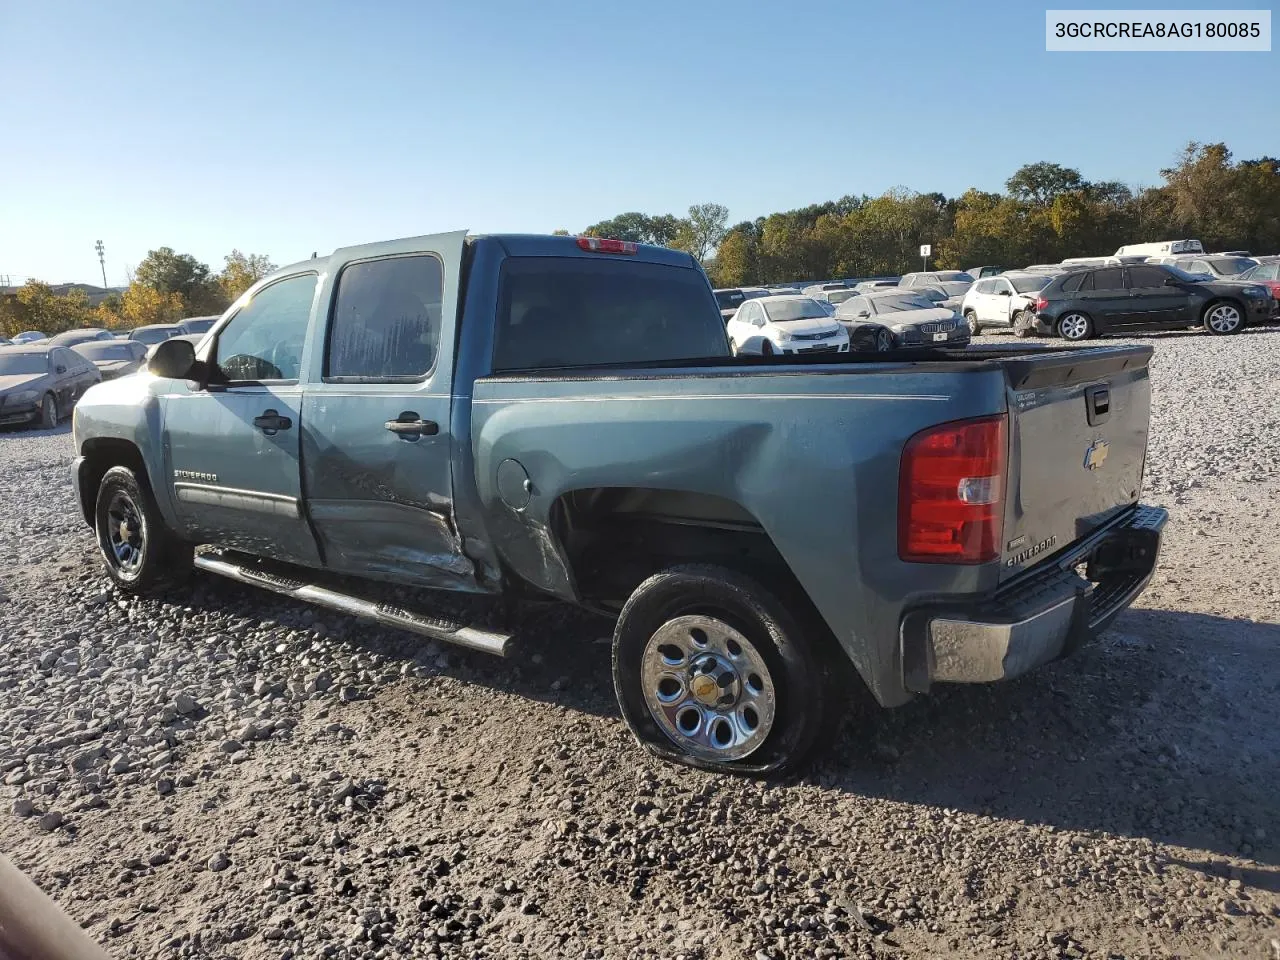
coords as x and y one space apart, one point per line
714 682
706 689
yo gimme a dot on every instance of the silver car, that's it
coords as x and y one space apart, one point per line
899 318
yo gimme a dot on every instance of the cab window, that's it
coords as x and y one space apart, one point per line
263 341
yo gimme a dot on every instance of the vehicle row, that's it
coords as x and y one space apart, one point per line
149 334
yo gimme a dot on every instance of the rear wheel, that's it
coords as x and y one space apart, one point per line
711 670
140 553
48 412
1222 319
1075 326
975 328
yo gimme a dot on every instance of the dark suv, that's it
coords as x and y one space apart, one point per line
1144 296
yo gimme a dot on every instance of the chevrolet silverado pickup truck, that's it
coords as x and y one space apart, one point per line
561 418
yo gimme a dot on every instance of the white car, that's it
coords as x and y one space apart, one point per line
997 301
784 325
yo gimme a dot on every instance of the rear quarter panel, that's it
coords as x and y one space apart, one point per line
812 455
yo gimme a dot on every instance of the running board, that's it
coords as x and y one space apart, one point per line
384 613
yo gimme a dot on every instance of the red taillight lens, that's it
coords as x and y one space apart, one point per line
1041 304
951 492
601 245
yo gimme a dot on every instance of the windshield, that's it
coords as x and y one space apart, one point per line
17 364
153 336
101 350
933 294
728 299
1028 284
784 311
954 276
1229 266
840 296
897 303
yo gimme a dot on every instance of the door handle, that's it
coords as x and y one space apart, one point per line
270 422
410 426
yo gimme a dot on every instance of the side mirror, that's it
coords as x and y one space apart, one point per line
1004 293
863 313
59 369
173 359
1171 281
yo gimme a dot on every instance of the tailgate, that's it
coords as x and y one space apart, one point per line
1078 423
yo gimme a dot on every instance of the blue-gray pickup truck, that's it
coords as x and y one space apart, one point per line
561 418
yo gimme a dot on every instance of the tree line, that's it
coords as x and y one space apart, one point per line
165 287
1046 213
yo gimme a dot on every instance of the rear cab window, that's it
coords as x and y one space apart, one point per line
556 312
385 325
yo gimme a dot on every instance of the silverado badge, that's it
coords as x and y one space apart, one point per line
1096 454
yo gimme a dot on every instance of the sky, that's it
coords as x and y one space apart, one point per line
287 127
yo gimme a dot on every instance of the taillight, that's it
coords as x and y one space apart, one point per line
601 245
951 492
1041 304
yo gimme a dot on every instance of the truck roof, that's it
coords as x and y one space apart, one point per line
515 244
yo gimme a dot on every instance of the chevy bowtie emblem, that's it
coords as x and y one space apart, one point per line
1096 454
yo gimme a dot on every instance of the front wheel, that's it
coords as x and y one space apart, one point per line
884 341
766 349
975 328
1024 323
48 412
1074 326
140 553
1221 319
712 671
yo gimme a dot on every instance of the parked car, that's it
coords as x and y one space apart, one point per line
1001 301
955 283
785 325
5 341
1052 269
1266 274
889 319
114 358
940 297
1146 296
561 418
40 383
988 271
1218 268
198 324
729 299
864 285
191 338
69 338
154 333
29 336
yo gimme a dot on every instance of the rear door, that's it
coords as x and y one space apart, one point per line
1105 298
1077 444
376 435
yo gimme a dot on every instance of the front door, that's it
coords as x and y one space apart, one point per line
233 447
1153 302
376 436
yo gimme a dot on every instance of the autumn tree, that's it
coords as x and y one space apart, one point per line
242 271
167 272
702 232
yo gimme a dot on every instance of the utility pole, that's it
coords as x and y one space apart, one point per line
102 262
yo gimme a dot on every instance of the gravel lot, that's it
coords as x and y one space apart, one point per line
229 774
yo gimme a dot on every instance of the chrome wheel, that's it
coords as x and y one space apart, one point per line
1074 326
974 327
49 412
125 533
1223 318
708 688
884 341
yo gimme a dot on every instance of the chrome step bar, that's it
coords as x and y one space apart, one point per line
475 638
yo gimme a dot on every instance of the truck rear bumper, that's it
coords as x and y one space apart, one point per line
1042 616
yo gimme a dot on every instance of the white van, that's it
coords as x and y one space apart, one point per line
1164 248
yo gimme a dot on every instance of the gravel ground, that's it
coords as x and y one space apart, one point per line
228 774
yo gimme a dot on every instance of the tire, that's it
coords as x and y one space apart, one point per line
1222 318
1074 326
975 327
140 553
776 679
766 349
884 341
1024 323
48 412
